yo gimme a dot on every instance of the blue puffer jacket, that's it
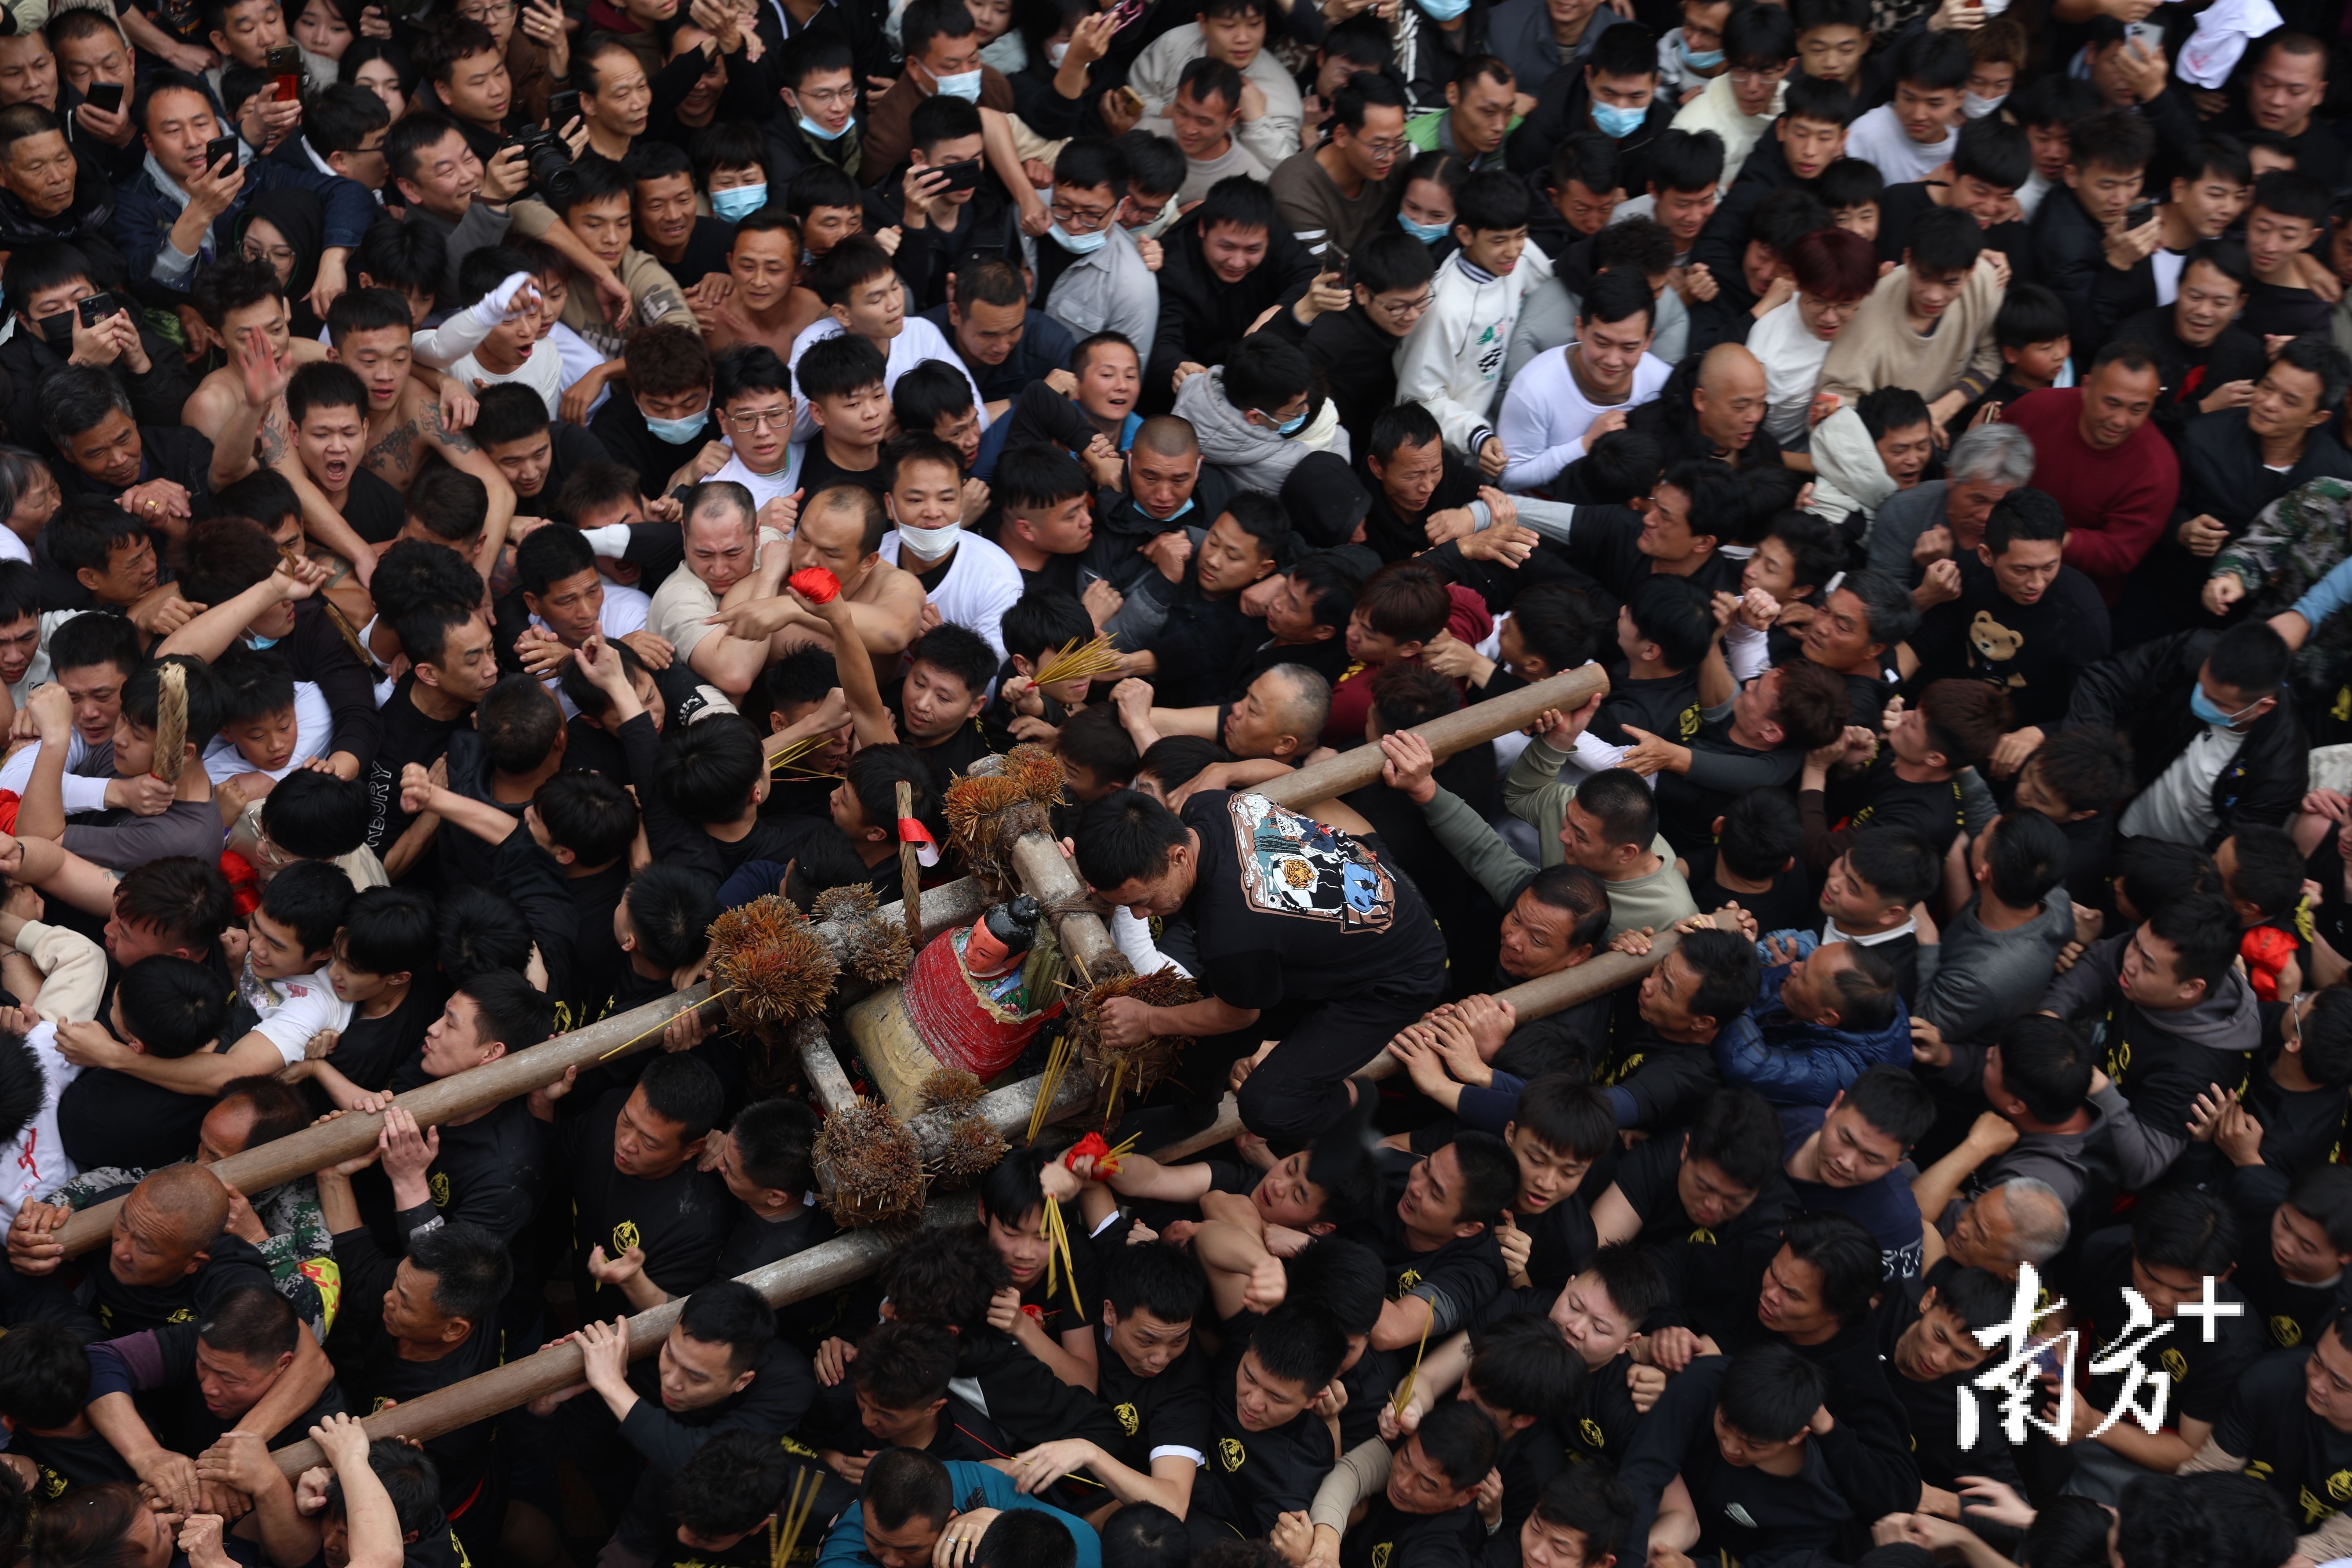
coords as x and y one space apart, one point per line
1792 1062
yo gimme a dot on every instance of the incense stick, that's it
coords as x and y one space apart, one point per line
1058 1233
1404 1390
1094 658
785 1538
1057 1062
657 1028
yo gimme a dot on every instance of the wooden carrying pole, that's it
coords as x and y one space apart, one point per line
1042 869
299 1154
822 1267
1532 999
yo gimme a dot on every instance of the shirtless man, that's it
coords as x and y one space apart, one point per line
841 530
756 303
232 297
370 331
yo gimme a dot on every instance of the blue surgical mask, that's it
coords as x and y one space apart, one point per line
259 644
1427 233
735 205
1442 10
963 84
1290 425
677 432
820 134
2207 709
1617 123
1079 243
1171 516
1703 62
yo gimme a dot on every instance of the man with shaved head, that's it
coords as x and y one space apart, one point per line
169 1259
1142 543
1723 417
1280 718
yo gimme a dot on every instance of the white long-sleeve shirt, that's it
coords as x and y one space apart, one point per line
1452 358
918 341
1545 415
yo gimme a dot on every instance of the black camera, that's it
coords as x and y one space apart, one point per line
548 159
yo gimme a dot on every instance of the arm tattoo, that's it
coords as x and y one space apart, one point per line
395 454
274 444
440 434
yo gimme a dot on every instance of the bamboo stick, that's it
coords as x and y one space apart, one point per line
299 1154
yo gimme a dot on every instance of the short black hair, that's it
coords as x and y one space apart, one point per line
1491 200
319 816
672 908
2183 1228
773 1141
1895 863
1761 832
1685 161
388 931
1160 1280
252 1321
173 1006
512 1011
1768 1394
681 1089
469 1264
1522 1366
2290 193
2224 256
731 1485
2202 930
1943 240
44 1375
1738 1131
1843 1253
959 651
1300 1344
730 1312
2028 857
311 897
1991 150
1126 837
1939 61
902 1484
841 365
2047 1065
1849 182
1892 1101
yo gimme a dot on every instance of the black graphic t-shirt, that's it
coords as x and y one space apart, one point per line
1286 909
1167 1415
2307 1461
681 1220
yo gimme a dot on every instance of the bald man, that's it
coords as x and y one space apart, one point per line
1279 719
1724 417
169 1260
1144 531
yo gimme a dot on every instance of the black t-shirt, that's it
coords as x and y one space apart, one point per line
2274 310
2202 1375
1789 904
232 1264
1665 706
106 1118
1288 909
2301 1128
1686 808
1060 573
492 1171
2034 652
1665 1079
2287 1447
1253 1478
1457 1279
88 1460
1742 1511
1387 1535
820 472
1166 1414
1604 1420
1932 1409
950 756
408 737
597 961
569 447
374 509
1880 797
706 252
1713 1270
1884 1207
754 1243
1200 640
1563 1242
176 1412
374 1373
372 1052
681 1220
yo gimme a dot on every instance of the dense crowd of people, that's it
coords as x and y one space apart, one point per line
490 486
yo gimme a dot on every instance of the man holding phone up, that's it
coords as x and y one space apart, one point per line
61 315
184 202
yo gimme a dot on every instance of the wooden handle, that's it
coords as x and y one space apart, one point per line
910 879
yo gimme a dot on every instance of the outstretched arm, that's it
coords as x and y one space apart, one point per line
266 373
214 633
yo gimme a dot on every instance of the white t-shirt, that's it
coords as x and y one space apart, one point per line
543 373
982 584
13 546
918 341
2169 265
626 609
1878 138
314 727
1792 358
294 1010
82 793
37 1154
765 488
1546 414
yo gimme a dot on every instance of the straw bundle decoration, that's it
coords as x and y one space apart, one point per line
973 1147
970 801
1096 658
1036 772
171 721
1136 1070
845 903
872 1166
875 949
950 1090
776 968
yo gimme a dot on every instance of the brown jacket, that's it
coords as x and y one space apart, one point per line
887 139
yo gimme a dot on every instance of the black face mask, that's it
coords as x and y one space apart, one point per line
57 330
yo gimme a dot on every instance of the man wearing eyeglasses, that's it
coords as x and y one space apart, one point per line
1091 275
1333 196
752 393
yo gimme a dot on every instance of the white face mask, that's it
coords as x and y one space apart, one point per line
1053 53
928 544
1978 108
963 84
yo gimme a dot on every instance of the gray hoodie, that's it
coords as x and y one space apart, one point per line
1253 456
2159 1062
